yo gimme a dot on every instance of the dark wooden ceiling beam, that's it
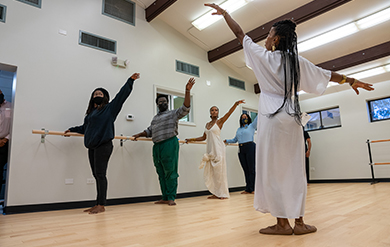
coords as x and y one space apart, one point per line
353 59
156 8
359 57
299 15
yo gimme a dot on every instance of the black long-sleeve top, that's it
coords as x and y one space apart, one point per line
98 127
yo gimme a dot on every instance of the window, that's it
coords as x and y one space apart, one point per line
123 10
3 10
379 109
176 100
251 113
324 119
35 3
97 42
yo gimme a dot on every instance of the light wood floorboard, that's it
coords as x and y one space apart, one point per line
353 214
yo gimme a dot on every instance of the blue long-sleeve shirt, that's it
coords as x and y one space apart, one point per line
244 134
98 127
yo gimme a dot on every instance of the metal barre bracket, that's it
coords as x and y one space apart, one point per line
44 135
123 140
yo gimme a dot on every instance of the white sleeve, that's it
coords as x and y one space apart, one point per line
252 51
313 78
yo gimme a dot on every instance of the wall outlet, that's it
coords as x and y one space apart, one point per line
68 181
90 180
129 117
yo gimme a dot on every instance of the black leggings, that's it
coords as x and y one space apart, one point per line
3 161
98 159
247 156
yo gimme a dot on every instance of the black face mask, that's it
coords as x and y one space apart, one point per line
1 98
163 107
98 100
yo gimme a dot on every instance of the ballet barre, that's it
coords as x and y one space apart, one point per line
44 132
370 157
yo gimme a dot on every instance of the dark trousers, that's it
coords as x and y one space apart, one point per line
166 159
247 156
3 161
307 169
98 159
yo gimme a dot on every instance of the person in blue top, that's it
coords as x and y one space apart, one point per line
98 130
247 150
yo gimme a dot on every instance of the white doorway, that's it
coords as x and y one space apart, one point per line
7 86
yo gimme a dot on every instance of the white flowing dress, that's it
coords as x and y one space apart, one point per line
280 171
214 163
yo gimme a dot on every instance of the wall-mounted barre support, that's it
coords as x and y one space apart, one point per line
122 138
370 158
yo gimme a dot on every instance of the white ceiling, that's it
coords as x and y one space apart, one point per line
180 15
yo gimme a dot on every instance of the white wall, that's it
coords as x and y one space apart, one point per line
55 77
342 153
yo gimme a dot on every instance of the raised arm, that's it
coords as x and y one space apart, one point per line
229 20
223 119
187 97
354 83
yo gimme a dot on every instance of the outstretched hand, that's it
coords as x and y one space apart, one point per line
65 133
216 7
190 83
135 76
238 102
358 84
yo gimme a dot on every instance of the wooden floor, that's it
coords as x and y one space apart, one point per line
345 215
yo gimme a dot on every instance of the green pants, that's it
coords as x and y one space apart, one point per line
166 158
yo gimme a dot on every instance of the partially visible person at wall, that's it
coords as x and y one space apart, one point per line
98 130
306 136
5 126
247 150
164 130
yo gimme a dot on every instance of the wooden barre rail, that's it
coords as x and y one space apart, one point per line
382 163
43 133
387 140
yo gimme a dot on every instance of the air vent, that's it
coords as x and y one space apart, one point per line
187 68
3 9
123 10
35 3
97 42
236 83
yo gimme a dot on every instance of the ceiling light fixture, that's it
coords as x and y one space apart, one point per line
345 30
371 72
207 19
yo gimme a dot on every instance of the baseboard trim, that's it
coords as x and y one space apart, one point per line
110 202
353 180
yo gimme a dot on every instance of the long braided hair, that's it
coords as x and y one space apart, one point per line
287 46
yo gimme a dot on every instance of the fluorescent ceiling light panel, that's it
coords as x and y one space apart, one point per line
343 31
208 19
328 37
374 19
369 73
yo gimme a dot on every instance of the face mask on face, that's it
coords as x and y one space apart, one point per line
244 121
98 100
162 107
1 98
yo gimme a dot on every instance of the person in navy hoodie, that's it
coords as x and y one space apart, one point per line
98 130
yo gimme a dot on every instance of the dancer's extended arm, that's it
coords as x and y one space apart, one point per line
229 20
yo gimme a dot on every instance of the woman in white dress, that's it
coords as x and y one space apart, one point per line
280 175
214 160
